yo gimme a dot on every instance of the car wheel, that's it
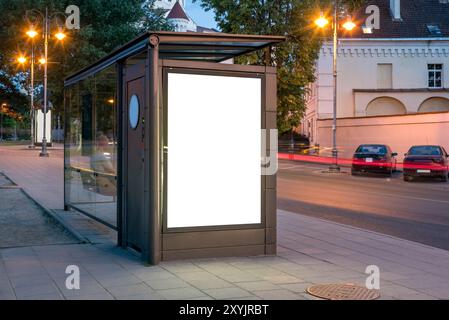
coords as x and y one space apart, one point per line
408 178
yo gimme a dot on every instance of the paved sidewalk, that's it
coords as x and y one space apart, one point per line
42 178
310 251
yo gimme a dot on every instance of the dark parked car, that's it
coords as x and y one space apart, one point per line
426 161
374 158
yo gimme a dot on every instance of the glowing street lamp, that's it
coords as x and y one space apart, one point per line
60 36
21 59
349 25
321 22
31 33
46 26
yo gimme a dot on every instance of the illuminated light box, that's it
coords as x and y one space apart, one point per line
214 150
39 126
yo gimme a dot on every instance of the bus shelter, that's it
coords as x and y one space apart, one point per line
164 141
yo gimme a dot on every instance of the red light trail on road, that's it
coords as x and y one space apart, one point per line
350 162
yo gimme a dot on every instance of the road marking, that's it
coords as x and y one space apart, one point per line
287 168
406 197
302 167
399 196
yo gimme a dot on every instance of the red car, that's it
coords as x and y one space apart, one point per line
426 161
374 158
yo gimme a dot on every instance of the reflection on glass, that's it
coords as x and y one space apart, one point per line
91 146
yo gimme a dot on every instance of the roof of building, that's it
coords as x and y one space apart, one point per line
177 12
419 19
206 30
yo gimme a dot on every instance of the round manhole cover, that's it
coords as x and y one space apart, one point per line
343 292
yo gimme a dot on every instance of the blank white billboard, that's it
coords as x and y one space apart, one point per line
214 150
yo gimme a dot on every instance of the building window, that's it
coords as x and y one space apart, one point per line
435 75
384 76
311 131
434 29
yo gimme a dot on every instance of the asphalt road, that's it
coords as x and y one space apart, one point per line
417 211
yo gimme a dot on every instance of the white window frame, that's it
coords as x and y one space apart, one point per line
435 71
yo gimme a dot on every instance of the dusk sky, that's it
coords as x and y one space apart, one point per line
201 17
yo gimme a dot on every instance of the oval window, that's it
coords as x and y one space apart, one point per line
134 112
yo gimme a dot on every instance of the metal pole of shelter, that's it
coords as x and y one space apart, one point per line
152 253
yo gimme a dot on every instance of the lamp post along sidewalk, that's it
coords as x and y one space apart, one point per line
32 97
44 152
349 25
31 34
46 19
334 166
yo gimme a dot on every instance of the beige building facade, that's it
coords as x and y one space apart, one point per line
381 77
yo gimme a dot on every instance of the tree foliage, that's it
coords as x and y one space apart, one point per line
105 25
295 59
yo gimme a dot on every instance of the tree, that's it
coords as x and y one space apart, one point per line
295 58
105 25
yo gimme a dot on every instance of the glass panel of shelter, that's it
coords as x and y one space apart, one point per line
92 146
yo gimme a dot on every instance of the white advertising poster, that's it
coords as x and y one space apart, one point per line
214 150
40 126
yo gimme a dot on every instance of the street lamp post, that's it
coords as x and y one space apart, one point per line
321 22
44 152
32 95
32 34
334 167
60 36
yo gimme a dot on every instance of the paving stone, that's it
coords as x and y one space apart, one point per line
46 296
180 267
118 280
128 290
227 293
257 285
92 296
180 293
150 296
282 279
280 294
27 291
297 287
246 298
196 275
18 281
397 291
240 277
172 283
210 284
418 296
153 274
202 298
